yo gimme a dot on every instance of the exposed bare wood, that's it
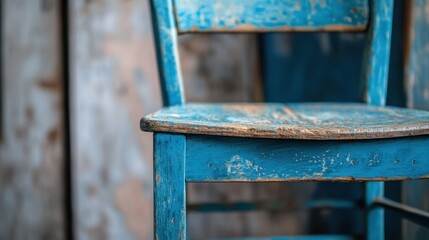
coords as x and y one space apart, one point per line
317 121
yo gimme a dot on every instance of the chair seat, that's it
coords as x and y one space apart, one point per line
315 121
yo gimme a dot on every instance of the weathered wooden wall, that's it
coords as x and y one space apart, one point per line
32 196
113 83
416 193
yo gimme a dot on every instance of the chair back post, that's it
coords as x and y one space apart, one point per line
375 78
377 53
165 32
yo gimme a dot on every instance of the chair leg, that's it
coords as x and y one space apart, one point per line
169 186
375 214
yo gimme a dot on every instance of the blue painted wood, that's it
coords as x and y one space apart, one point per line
275 15
212 158
374 77
165 33
375 213
321 121
311 237
169 186
377 52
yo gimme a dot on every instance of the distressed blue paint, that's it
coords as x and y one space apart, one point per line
311 237
165 34
377 52
169 186
374 77
321 121
272 160
275 15
212 158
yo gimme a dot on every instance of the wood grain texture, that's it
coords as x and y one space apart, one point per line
169 186
213 158
319 121
32 155
277 15
167 53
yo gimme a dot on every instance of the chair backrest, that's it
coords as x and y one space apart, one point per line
171 17
274 15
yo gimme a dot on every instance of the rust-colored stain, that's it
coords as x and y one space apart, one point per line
49 84
53 135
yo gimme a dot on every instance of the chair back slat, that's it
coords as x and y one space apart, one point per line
271 15
171 17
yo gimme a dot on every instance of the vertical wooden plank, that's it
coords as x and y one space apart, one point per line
416 193
374 78
377 53
164 25
32 204
169 186
113 84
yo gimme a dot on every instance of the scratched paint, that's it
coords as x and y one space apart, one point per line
278 15
377 53
32 141
320 121
216 158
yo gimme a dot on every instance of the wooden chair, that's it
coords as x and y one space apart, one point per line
282 142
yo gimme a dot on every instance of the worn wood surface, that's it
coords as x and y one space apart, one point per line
377 53
278 15
416 193
165 32
170 186
32 155
320 121
374 78
213 158
113 82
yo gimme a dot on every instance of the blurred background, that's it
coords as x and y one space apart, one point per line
77 76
